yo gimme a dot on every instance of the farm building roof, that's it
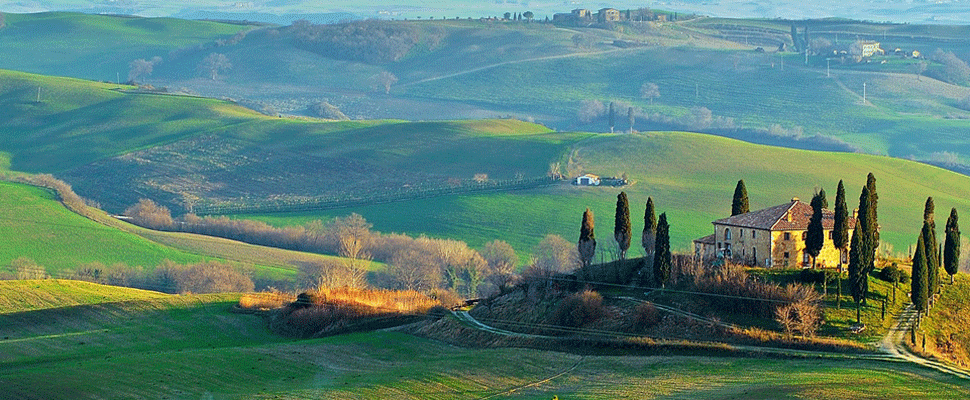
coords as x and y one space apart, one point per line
791 216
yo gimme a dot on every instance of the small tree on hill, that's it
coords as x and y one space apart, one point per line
612 117
649 238
587 239
739 205
650 90
631 117
951 248
816 232
662 258
213 64
621 224
528 15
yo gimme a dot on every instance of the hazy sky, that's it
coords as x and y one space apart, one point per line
957 11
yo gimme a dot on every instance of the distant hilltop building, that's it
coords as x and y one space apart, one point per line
772 237
588 180
608 15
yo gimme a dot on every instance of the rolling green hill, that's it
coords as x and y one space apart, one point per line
188 152
473 69
98 47
31 295
192 347
690 176
36 226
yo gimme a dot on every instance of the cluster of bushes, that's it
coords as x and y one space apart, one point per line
168 277
413 263
370 41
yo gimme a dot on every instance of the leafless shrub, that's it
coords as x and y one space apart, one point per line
579 309
150 215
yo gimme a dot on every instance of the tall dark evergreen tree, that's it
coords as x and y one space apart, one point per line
739 205
612 117
587 239
840 230
649 238
932 254
856 269
872 218
823 199
815 237
868 242
622 231
661 259
951 247
919 280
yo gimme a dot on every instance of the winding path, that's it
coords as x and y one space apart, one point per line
893 344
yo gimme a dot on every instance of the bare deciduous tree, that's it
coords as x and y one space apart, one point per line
650 90
553 255
213 64
383 81
590 110
141 68
414 269
150 215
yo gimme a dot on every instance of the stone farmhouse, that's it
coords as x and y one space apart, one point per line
772 237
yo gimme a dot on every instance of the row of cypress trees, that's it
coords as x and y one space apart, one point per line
655 238
928 257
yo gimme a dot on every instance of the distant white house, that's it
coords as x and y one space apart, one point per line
588 180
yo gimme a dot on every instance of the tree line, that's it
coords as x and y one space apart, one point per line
420 263
369 41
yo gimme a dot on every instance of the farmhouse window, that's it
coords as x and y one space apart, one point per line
727 233
787 237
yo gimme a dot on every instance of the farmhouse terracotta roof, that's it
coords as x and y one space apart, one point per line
792 216
709 239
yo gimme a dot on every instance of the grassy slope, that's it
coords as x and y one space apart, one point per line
20 296
690 176
38 227
77 122
34 225
190 346
946 323
97 47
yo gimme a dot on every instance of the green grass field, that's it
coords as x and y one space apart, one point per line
155 346
98 47
35 225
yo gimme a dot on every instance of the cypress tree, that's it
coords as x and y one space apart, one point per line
919 280
855 268
951 247
932 256
649 238
621 224
868 241
872 219
739 205
824 201
661 259
587 239
816 232
840 230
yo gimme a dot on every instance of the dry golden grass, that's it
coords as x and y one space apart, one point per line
263 301
379 300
